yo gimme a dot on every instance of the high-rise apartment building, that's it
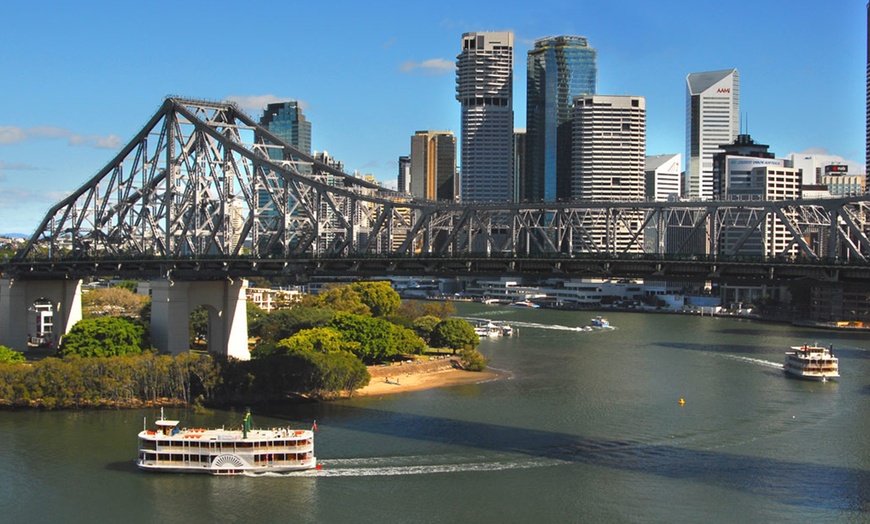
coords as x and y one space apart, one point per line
433 165
560 68
609 147
712 120
484 88
609 143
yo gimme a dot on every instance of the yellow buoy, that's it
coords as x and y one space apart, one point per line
682 401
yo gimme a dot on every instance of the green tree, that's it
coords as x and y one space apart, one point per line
256 315
455 333
338 297
284 323
198 324
473 360
425 324
104 337
129 285
373 336
379 296
413 309
407 341
10 356
319 340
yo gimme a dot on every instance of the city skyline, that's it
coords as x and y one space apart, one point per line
79 91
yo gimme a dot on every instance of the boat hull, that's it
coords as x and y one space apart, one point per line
208 469
810 376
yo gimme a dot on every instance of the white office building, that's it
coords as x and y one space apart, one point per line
712 120
663 174
484 88
609 154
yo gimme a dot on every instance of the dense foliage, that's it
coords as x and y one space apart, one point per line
75 382
113 302
284 323
104 337
280 374
10 356
472 360
376 339
380 297
197 324
425 325
338 297
454 333
413 309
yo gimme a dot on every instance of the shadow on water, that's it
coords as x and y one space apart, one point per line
127 466
785 481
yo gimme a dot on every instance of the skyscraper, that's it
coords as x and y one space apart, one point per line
712 120
867 132
404 179
433 165
609 147
484 88
285 119
559 69
609 134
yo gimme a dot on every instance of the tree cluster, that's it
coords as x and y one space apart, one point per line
105 337
117 301
76 382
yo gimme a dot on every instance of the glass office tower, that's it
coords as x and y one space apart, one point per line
559 69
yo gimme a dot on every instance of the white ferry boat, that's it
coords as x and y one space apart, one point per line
169 448
488 328
525 304
600 322
812 362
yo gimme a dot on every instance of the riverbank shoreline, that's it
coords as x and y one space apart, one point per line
390 380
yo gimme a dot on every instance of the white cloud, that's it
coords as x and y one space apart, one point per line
433 66
256 103
101 142
6 166
15 134
12 135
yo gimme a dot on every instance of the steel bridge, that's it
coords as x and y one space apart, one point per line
203 196
204 192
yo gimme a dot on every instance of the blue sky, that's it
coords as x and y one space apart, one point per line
79 79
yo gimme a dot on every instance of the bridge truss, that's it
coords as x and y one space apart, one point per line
202 182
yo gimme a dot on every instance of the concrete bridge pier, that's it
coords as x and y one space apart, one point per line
173 301
18 316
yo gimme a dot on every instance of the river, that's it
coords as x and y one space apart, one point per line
584 427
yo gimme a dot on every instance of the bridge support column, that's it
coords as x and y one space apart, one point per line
173 301
18 316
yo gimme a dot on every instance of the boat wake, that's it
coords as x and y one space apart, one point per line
558 327
756 361
419 465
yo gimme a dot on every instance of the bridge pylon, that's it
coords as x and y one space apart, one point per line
18 315
173 301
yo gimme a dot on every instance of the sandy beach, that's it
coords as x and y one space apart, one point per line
407 379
